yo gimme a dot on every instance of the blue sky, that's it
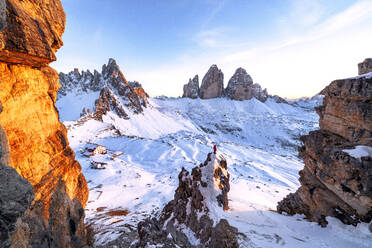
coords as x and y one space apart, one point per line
291 47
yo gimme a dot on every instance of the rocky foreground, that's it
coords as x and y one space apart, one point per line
336 180
43 192
192 219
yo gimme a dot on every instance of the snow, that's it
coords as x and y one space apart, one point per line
259 141
359 152
366 75
308 103
150 124
71 105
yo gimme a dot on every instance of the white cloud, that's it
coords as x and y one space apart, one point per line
297 65
211 38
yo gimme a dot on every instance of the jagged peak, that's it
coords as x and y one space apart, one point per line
214 67
112 62
240 70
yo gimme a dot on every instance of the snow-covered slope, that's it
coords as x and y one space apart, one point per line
146 154
94 95
308 102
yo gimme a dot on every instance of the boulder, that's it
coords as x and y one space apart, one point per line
365 66
199 196
191 90
336 179
212 84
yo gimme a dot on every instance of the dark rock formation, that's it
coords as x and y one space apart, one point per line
191 90
365 66
212 84
116 93
193 214
334 182
16 195
38 145
108 101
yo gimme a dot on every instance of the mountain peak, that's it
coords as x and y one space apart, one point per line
115 93
112 62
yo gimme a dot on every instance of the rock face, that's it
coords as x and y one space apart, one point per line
241 87
212 84
38 145
193 214
365 66
336 180
32 31
116 93
191 90
16 194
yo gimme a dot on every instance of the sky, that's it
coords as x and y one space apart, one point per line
294 48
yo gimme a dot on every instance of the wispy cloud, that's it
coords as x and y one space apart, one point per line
293 65
211 38
215 7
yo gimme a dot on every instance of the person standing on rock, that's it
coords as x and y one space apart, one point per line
214 149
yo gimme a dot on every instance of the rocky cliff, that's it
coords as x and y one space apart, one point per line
191 90
336 180
365 66
116 94
212 84
192 219
38 145
239 87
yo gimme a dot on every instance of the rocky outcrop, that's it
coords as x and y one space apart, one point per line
16 194
347 110
191 90
116 93
32 31
365 66
193 214
38 145
212 84
336 180
240 87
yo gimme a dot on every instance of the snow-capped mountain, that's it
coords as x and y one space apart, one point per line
309 103
139 172
99 93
